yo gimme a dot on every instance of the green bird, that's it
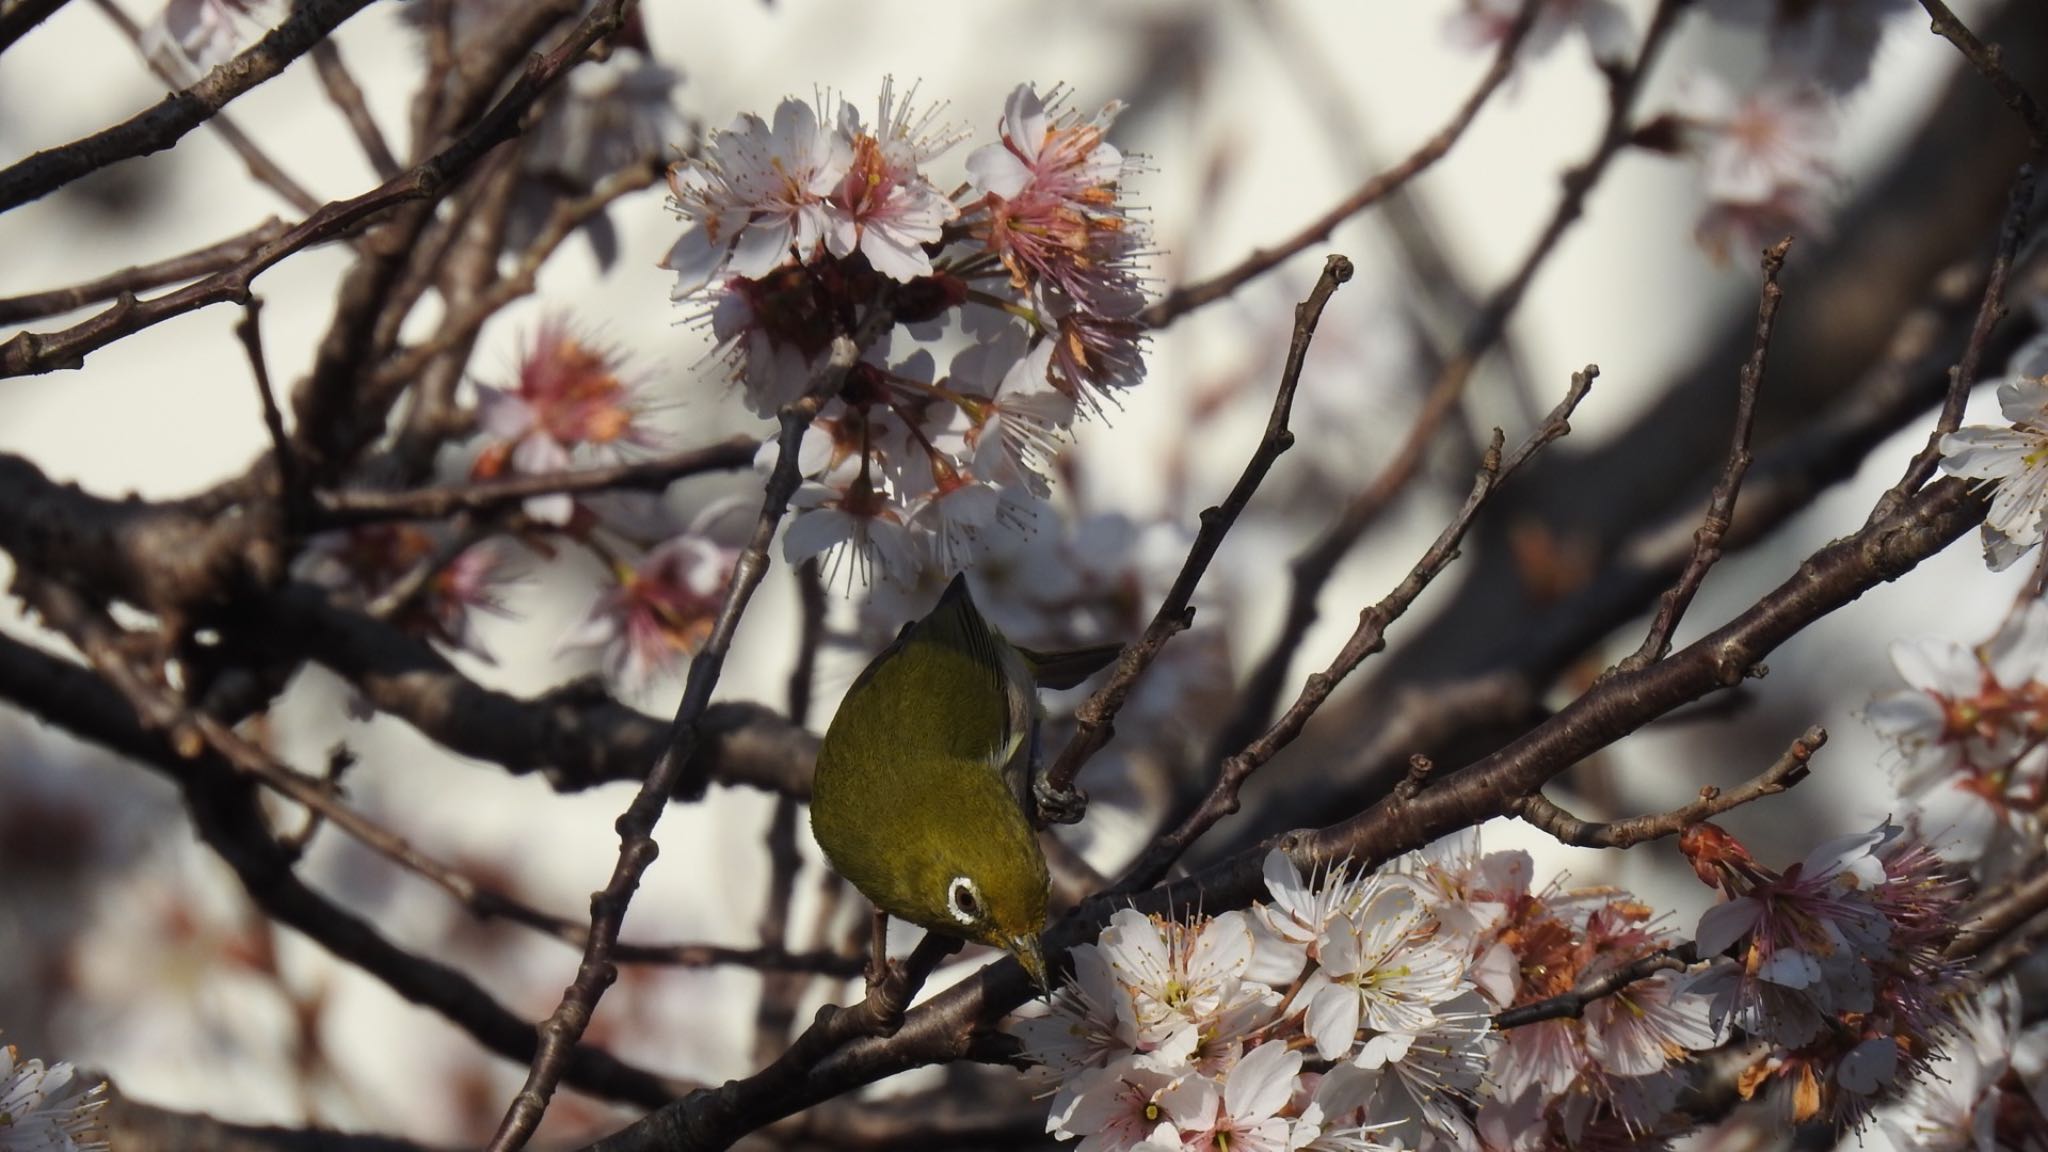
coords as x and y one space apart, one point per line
924 779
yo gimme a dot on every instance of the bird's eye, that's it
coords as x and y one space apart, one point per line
963 900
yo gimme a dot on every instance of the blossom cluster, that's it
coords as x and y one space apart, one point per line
1356 1012
47 1108
1971 731
1029 275
1837 962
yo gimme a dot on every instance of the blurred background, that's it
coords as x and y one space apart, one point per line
126 946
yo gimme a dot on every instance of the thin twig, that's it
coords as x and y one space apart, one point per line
1369 637
1572 1005
1788 770
141 277
1094 720
347 97
249 330
1985 58
362 506
1962 377
1313 568
1183 300
162 126
637 849
1706 539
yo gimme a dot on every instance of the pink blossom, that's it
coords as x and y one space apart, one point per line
658 610
757 193
884 206
1050 206
569 396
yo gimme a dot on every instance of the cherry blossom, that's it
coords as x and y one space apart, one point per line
1050 210
1972 730
569 396
658 610
47 1108
2014 462
757 192
1986 1093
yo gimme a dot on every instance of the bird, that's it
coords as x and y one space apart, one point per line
923 788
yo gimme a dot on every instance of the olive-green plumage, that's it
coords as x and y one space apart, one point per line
923 783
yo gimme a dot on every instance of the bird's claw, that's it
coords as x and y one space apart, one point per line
1057 805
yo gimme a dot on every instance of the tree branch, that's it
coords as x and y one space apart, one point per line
1187 298
29 352
128 281
1312 569
1706 540
1963 376
1789 769
1369 637
351 507
162 126
1985 59
1094 720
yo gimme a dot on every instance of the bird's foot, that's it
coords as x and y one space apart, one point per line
1057 805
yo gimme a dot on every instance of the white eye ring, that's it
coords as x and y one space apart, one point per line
963 900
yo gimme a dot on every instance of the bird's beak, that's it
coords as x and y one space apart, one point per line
1032 957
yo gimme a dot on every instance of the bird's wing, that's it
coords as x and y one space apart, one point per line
1001 683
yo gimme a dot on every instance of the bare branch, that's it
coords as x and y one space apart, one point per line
359 506
2006 916
1368 638
1963 376
1312 569
162 126
1094 720
137 1127
1706 539
131 714
198 262
1985 59
19 17
262 168
29 352
1789 769
249 330
1183 300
